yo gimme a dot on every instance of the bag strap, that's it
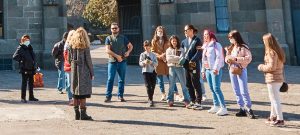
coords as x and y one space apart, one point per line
190 47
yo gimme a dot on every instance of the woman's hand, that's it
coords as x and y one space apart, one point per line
203 76
216 72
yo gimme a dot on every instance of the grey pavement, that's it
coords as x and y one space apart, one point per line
52 115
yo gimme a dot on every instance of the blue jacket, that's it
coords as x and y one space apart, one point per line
193 55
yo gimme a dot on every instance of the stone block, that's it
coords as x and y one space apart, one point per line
35 2
260 15
35 26
186 8
37 14
233 5
203 18
167 9
22 2
29 14
256 37
35 20
203 6
243 16
52 22
16 12
17 23
33 8
167 19
12 34
252 5
183 19
256 27
51 11
273 4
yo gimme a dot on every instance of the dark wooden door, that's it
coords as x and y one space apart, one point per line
131 26
295 6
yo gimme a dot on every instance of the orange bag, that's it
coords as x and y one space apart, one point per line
38 80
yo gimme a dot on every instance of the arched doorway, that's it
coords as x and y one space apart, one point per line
131 26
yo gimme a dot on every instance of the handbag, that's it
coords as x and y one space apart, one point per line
236 70
284 87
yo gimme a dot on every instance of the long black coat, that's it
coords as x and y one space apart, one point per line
26 58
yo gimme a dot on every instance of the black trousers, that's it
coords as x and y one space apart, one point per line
27 79
150 82
193 85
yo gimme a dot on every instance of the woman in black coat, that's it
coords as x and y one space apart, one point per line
26 58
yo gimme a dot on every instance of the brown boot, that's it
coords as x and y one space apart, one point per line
77 113
83 115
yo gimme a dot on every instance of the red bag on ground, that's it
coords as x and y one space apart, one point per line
38 80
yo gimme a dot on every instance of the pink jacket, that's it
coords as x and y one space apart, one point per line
243 57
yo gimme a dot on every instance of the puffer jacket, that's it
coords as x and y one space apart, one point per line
273 68
67 65
26 58
244 56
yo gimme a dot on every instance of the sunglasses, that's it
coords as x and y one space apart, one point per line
186 30
114 28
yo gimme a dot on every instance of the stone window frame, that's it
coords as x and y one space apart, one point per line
222 18
1 19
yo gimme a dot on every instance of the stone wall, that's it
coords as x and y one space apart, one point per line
34 18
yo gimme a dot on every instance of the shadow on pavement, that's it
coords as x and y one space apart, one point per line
134 122
128 107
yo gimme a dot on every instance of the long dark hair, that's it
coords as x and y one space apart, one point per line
238 38
177 40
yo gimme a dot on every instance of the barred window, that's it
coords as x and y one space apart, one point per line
222 18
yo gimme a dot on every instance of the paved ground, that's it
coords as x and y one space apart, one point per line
51 115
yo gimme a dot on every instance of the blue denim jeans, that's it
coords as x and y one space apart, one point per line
240 87
160 81
214 82
61 79
174 74
202 82
68 85
120 68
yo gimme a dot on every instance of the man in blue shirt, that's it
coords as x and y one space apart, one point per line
118 48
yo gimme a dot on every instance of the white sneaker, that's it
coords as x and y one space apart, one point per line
214 109
197 106
179 98
163 97
222 112
204 97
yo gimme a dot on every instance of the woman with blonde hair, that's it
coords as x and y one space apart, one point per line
82 72
273 71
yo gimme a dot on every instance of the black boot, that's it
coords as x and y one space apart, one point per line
77 113
241 113
251 114
83 115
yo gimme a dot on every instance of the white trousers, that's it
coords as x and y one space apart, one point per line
274 96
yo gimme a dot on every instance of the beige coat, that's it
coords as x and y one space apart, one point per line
158 49
273 68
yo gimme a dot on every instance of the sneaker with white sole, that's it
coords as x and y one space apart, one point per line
179 98
222 112
214 109
204 97
197 106
163 97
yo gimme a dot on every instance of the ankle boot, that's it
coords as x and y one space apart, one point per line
77 113
83 115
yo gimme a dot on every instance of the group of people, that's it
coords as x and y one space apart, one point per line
188 61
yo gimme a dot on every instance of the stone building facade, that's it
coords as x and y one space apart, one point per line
44 20
252 18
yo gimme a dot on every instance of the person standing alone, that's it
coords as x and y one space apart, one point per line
118 48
